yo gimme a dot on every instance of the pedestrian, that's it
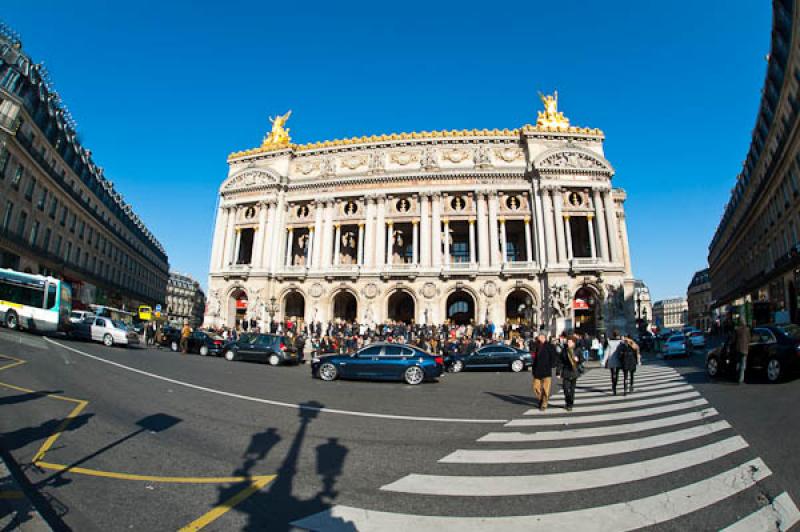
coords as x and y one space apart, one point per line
611 359
742 346
543 363
629 358
567 368
185 332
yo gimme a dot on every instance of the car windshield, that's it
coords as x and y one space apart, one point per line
792 331
119 325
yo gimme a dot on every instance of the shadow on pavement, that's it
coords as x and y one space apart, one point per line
17 439
24 397
523 400
274 507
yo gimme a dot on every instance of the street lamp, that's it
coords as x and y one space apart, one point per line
272 308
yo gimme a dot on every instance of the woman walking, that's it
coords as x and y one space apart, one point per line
630 357
611 359
567 368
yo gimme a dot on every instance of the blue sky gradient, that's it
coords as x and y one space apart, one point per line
164 91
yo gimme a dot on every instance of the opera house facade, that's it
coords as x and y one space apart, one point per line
518 225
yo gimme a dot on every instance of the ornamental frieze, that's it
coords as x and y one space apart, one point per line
509 154
456 155
404 158
354 161
250 179
577 160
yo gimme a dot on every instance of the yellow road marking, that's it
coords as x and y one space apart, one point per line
150 478
256 482
217 512
11 494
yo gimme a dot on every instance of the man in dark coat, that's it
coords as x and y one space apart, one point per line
543 363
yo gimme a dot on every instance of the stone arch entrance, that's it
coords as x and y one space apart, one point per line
401 307
294 306
521 308
345 306
237 307
585 308
460 307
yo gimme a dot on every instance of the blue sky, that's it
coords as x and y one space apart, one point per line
163 91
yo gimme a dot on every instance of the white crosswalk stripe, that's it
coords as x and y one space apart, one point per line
634 438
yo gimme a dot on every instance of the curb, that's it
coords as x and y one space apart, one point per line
22 507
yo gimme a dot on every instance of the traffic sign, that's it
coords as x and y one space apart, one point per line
158 308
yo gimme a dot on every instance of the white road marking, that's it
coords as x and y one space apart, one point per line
781 515
605 391
607 407
278 403
594 432
571 419
577 452
619 399
617 517
644 380
493 486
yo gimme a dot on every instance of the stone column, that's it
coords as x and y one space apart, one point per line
483 229
310 248
219 238
360 259
368 250
611 222
503 240
591 235
528 244
436 233
389 242
446 239
568 230
494 238
601 224
230 241
623 226
338 238
558 201
327 234
268 236
380 227
415 243
259 238
549 231
536 244
237 245
280 216
289 242
425 229
471 241
316 242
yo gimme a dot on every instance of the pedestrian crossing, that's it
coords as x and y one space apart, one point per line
659 455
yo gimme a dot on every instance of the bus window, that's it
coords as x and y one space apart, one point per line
52 292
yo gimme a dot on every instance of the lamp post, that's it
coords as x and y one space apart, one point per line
272 309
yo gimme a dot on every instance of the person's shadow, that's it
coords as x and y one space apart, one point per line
277 505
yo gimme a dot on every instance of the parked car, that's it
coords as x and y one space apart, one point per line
381 361
696 339
646 341
105 330
169 337
490 356
675 346
77 316
774 349
205 343
269 348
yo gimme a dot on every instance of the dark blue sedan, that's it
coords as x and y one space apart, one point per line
382 361
491 356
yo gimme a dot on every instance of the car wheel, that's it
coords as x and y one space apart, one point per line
712 367
108 340
774 370
457 366
12 320
204 350
328 372
230 355
274 360
173 346
414 375
517 366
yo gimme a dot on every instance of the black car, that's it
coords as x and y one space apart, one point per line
269 348
490 356
380 361
205 343
169 337
774 349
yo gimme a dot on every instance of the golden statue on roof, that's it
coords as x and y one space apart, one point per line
551 117
279 136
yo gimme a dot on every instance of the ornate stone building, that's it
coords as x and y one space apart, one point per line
185 300
518 225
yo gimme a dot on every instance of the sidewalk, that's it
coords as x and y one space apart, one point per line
17 512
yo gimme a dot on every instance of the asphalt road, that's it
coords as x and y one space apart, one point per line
166 440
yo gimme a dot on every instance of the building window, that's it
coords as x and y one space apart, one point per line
46 242
42 199
7 216
81 229
4 158
17 177
21 223
73 222
53 208
67 251
34 233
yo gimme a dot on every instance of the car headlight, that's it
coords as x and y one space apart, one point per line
315 360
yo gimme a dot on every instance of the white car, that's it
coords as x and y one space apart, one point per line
675 346
77 316
105 330
697 339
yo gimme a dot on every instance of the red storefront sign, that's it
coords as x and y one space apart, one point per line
241 304
580 304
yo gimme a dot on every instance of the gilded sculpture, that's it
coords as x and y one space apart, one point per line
279 136
551 117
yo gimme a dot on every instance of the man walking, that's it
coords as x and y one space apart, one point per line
185 332
742 346
543 362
